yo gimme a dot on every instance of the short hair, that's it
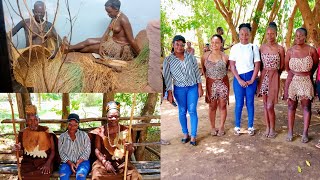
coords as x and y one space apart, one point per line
245 25
219 28
115 4
304 30
39 3
273 25
218 36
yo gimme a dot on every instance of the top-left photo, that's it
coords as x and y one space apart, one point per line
80 46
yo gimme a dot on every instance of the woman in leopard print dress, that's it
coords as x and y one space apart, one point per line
272 56
301 62
214 64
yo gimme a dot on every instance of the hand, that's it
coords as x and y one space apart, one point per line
129 147
78 162
101 51
249 82
170 97
45 169
16 147
72 166
200 91
108 166
243 83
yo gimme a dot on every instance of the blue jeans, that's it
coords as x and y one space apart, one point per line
187 99
81 172
241 93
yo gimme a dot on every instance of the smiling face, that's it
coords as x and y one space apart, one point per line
271 35
112 13
39 12
178 47
300 37
244 35
216 43
113 117
32 121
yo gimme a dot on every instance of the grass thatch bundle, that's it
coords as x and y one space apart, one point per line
77 72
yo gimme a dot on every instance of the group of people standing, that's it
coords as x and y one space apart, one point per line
246 60
104 146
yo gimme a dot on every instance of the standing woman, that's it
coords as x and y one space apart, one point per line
272 57
214 64
244 64
301 62
181 70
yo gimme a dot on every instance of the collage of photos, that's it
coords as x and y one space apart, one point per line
160 89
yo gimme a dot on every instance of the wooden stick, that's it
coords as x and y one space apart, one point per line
15 134
129 135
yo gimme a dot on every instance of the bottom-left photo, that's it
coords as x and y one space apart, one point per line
80 136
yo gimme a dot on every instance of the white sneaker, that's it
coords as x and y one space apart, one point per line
251 131
237 131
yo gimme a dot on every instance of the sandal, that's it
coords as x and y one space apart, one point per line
251 131
221 133
272 136
214 132
304 139
193 143
236 131
185 140
289 138
318 145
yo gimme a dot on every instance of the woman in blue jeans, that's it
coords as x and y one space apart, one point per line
74 149
244 64
181 70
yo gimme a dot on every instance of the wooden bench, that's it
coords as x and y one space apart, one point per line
149 170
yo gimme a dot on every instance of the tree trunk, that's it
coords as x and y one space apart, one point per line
256 18
23 99
200 41
141 136
65 109
290 27
107 97
310 21
227 15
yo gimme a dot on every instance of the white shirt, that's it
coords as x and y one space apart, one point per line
243 56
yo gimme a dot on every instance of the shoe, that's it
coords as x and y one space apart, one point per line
185 140
237 131
193 143
251 131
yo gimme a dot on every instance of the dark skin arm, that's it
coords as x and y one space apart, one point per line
128 32
315 58
203 58
101 157
45 169
17 28
255 73
282 59
103 39
236 75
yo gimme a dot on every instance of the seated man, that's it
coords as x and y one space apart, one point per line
74 150
111 143
37 144
41 30
117 42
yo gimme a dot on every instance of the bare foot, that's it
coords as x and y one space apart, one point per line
221 132
272 134
214 132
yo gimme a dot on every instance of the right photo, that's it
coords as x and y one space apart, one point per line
240 89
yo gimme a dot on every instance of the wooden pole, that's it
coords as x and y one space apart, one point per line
129 135
15 133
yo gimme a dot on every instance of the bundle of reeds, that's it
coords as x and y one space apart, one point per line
74 72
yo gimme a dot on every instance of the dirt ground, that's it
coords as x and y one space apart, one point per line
239 157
